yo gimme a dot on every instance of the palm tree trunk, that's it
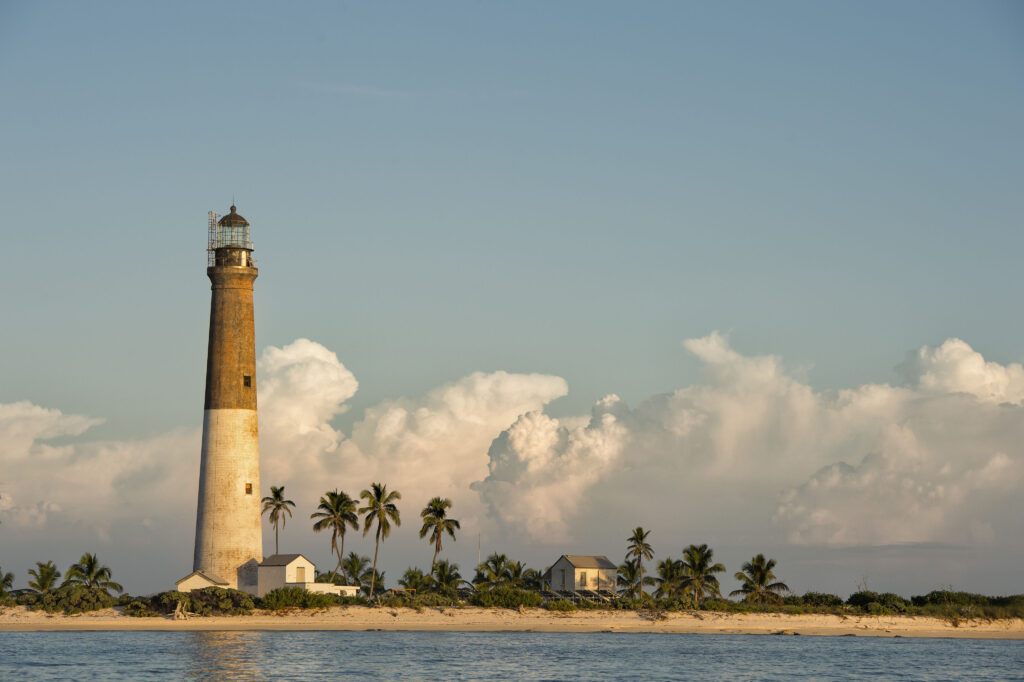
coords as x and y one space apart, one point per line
341 553
276 550
376 549
437 550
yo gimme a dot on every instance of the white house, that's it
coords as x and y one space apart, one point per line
197 580
278 570
573 572
295 570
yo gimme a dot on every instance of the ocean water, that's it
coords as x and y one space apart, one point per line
495 655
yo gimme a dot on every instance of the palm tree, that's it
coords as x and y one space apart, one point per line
631 581
278 508
45 577
90 573
531 579
670 578
515 573
380 507
756 584
337 511
414 579
436 522
496 571
446 576
699 573
6 582
356 569
639 549
376 585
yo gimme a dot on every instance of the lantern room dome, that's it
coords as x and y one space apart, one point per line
233 219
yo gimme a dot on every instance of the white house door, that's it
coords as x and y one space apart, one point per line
300 574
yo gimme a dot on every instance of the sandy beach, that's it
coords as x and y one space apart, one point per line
529 620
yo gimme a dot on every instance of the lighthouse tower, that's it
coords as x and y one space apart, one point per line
229 536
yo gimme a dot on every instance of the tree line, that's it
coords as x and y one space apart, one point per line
693 576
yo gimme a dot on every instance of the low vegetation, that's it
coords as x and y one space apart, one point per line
689 583
506 598
418 600
209 601
69 599
296 597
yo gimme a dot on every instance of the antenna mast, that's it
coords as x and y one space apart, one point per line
211 229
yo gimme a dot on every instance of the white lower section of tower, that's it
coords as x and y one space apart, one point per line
229 534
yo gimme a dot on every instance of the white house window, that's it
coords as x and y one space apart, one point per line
583 579
300 574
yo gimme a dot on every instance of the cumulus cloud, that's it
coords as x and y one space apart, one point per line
540 468
435 444
302 387
943 469
748 455
955 367
933 460
82 486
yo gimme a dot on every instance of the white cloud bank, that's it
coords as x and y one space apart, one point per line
426 446
935 460
83 486
88 492
749 455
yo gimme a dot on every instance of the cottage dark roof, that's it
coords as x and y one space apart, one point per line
233 219
203 574
281 559
589 561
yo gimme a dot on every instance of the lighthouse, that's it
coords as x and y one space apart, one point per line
229 536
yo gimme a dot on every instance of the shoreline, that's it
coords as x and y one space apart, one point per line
477 619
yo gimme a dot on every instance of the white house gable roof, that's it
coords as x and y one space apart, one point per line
207 576
281 559
589 561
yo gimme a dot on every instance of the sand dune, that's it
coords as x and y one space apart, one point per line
536 620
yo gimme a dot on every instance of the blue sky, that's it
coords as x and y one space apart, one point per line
568 188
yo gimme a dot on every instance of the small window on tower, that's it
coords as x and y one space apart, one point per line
247 381
248 488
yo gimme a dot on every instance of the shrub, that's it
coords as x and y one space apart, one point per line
167 602
822 600
140 609
730 606
950 598
505 597
957 606
887 602
418 600
209 601
560 605
25 599
218 601
73 599
681 603
285 597
634 603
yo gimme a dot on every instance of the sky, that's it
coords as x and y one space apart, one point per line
742 273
